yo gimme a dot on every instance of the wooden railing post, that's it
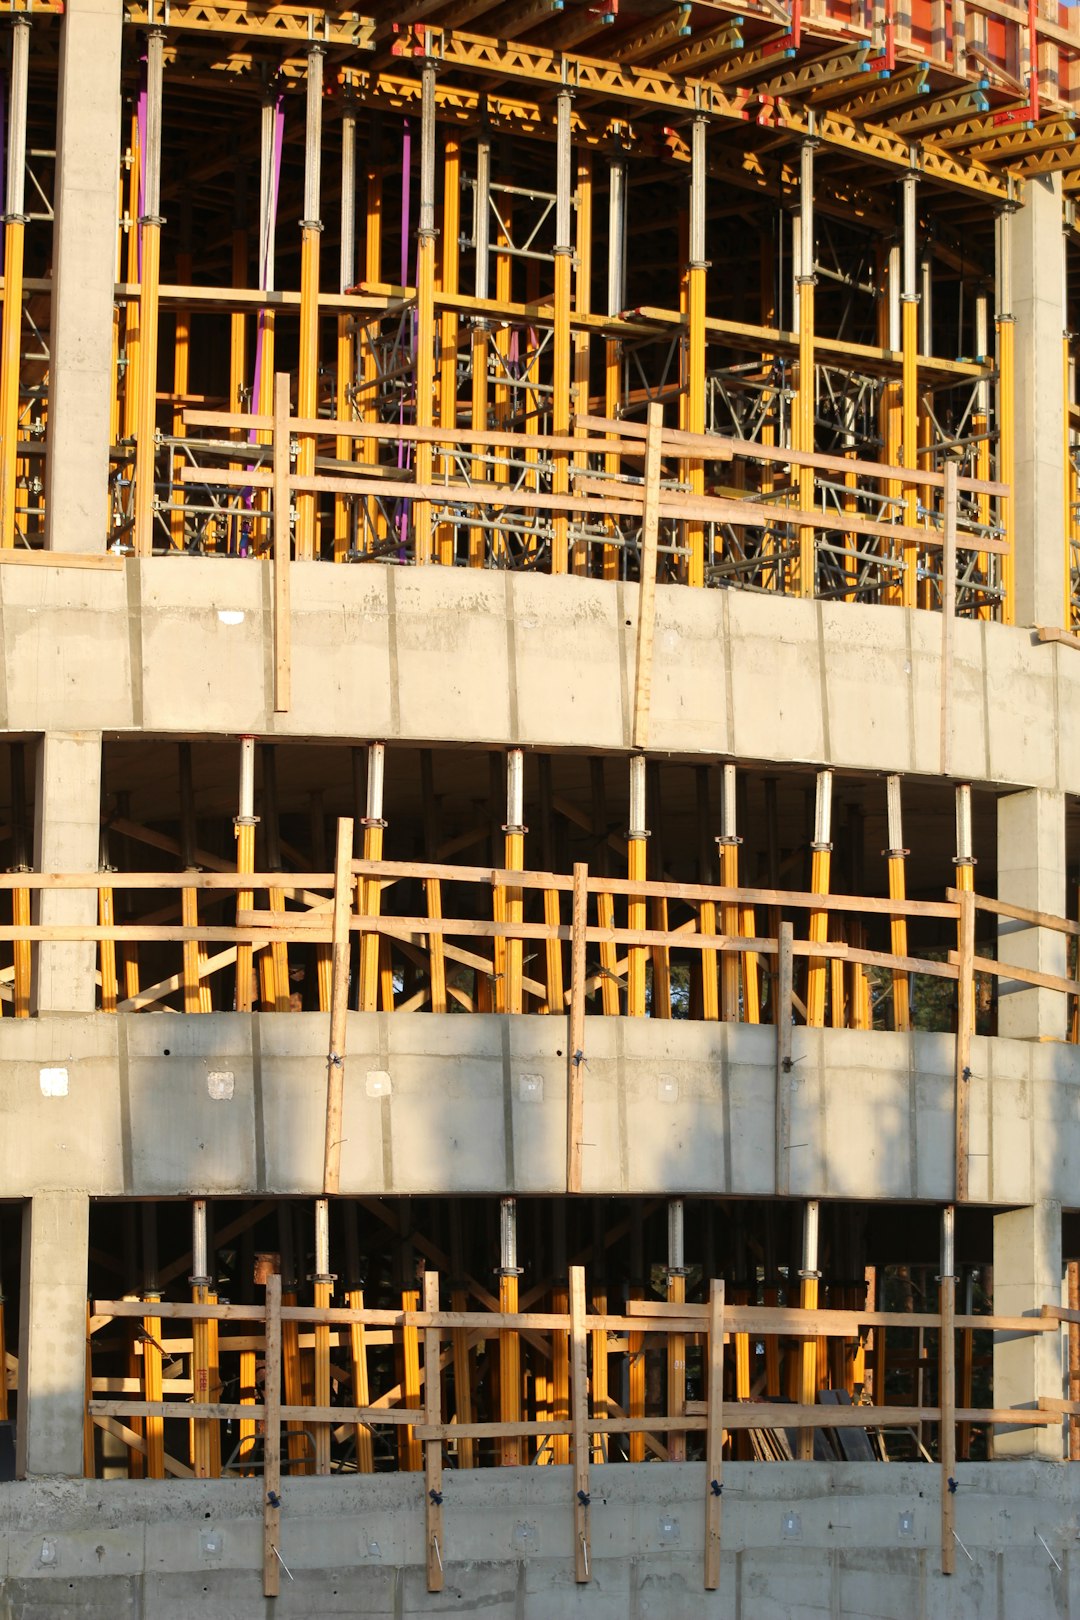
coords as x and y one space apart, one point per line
781 998
433 1470
579 1418
271 1477
947 1395
965 1028
714 1448
575 1049
339 1005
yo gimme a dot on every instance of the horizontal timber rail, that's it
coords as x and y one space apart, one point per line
610 498
435 1417
412 935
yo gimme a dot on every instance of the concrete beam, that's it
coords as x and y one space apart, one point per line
1031 873
84 259
52 1334
67 838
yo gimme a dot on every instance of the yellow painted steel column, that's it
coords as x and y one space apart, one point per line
344 448
561 338
510 1448
323 1287
616 297
897 855
371 888
808 1300
512 995
909 387
694 468
448 359
307 390
730 911
201 1441
582 560
676 1342
479 366
803 423
150 238
821 852
181 374
425 316
1006 329
374 524
244 826
636 837
14 229
1067 492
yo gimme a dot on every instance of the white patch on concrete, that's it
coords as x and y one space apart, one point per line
220 1084
530 1088
378 1083
231 615
667 1089
54 1082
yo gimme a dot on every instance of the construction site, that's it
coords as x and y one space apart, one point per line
540 810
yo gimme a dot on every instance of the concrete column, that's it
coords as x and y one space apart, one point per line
1038 305
1027 1275
84 270
52 1334
67 838
1031 872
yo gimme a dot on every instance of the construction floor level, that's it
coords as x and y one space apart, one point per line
540 809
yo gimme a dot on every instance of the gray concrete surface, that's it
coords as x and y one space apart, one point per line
67 838
84 260
181 645
1039 310
454 1103
843 1541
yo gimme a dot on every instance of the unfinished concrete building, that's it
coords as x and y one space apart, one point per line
540 704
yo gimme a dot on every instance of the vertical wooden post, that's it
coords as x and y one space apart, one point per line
897 855
575 1051
282 548
714 1447
650 535
271 1478
947 1395
14 230
433 1469
782 994
339 1006
965 1025
579 1410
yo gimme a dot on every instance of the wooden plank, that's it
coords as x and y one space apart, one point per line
1037 919
407 433
106 562
575 1050
783 1016
579 1417
965 1028
947 1437
271 1480
282 558
719 447
1065 637
714 1444
135 1442
1009 970
339 1008
433 1468
646 625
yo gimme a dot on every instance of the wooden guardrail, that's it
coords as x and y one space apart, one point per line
579 1332
775 976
